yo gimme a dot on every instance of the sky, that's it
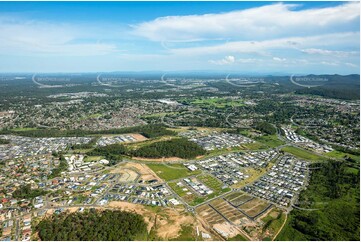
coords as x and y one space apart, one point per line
245 37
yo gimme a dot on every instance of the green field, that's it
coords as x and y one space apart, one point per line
216 102
304 154
214 184
211 182
238 237
341 155
24 129
177 189
93 158
171 172
255 146
195 199
270 140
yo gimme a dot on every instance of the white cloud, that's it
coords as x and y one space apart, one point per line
328 63
279 59
330 52
19 37
264 48
225 61
277 20
351 65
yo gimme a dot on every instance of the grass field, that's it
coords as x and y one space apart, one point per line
254 174
177 189
195 199
171 172
214 184
304 154
188 198
238 237
24 129
217 102
341 155
270 140
211 182
93 158
255 146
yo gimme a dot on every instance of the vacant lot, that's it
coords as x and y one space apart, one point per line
214 184
228 211
238 198
210 215
171 171
146 174
253 207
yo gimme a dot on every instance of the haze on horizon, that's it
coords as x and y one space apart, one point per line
249 37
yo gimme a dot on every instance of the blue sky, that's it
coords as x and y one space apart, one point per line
249 37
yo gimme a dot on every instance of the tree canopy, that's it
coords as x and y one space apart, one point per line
93 225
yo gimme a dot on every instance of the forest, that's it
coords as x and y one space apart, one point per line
181 148
338 92
265 127
92 225
332 203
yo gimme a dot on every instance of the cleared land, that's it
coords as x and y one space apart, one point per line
92 158
167 223
238 198
304 154
270 140
254 207
170 172
227 210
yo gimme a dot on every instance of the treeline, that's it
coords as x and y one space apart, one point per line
333 198
149 131
93 226
265 127
113 153
181 148
26 192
